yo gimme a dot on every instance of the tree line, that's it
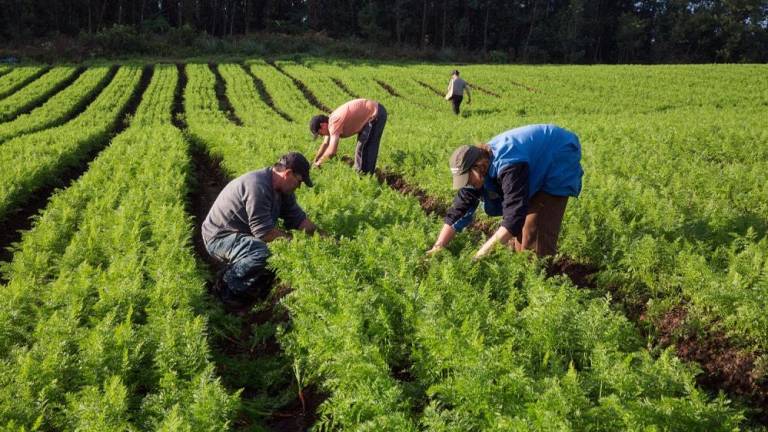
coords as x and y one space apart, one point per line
557 31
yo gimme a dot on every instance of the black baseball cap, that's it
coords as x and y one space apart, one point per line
299 164
314 124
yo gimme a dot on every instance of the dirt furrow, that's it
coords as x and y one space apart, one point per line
429 87
221 95
343 87
304 90
248 356
265 96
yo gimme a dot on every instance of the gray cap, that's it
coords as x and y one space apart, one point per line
461 162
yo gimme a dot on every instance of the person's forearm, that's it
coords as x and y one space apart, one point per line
446 235
502 235
321 150
273 234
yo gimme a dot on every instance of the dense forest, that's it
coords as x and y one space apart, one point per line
567 31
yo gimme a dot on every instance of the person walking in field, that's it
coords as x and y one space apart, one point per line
456 88
524 175
362 117
243 219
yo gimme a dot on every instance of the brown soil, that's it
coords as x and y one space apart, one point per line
582 275
484 90
530 89
221 95
304 90
388 88
725 366
265 96
429 87
340 84
300 414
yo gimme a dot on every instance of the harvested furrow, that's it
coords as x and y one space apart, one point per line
21 84
343 87
221 95
303 88
429 87
725 367
262 89
243 341
22 218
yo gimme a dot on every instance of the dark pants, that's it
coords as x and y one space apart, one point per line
456 101
245 258
542 223
367 149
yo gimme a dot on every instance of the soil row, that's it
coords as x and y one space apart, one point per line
313 100
221 95
264 94
240 349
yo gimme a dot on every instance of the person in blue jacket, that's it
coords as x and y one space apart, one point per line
524 175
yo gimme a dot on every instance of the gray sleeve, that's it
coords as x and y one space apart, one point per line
291 213
258 208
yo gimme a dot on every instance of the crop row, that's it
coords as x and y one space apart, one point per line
99 323
400 342
33 161
17 78
37 91
60 106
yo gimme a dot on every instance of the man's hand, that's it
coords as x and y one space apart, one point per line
275 234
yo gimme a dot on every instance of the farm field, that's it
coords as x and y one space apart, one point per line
652 316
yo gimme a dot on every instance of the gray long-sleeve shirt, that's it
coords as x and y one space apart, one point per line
250 205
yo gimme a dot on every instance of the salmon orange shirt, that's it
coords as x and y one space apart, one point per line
350 118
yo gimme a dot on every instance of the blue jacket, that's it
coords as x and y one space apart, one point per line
551 157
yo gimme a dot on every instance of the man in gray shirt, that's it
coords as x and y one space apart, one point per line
243 219
455 92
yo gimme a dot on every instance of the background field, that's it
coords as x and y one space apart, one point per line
652 316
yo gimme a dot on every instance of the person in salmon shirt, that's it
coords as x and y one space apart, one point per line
362 117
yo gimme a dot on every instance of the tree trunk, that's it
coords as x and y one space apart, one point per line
530 30
445 22
398 24
485 26
423 25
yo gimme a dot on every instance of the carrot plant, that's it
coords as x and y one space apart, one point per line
109 337
59 106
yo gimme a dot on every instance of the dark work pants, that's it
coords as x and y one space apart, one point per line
367 149
456 101
542 223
